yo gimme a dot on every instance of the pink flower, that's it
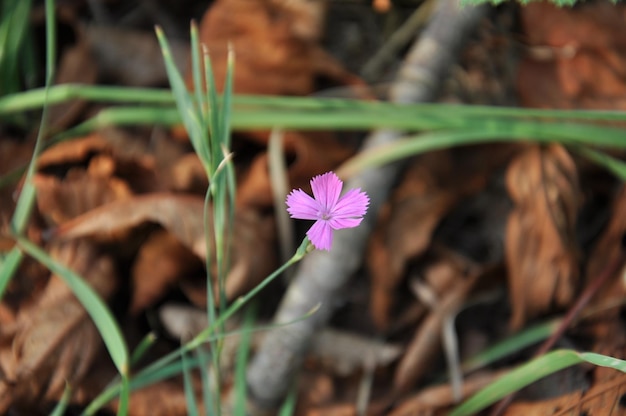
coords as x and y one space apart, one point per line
328 210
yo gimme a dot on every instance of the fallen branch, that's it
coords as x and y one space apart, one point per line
323 274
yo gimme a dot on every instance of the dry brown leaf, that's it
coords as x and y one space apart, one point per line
542 260
576 56
59 201
309 153
56 341
73 152
188 175
129 159
182 215
162 261
253 257
275 42
166 398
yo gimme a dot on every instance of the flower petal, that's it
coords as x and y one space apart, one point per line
300 205
326 189
321 235
339 223
352 205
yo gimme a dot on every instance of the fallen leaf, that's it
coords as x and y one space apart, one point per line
541 254
276 45
161 262
56 341
252 254
308 154
576 56
59 200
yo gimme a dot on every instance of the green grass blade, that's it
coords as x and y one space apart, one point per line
61 407
196 70
489 133
15 20
143 346
101 315
604 361
510 345
184 102
36 98
163 373
241 362
204 366
529 373
288 407
26 200
167 366
8 267
190 398
124 396
27 196
614 165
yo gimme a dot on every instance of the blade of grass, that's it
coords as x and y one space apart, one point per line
250 118
184 102
15 15
288 407
614 165
190 398
167 366
529 373
113 390
27 196
8 267
124 396
207 396
490 133
93 304
510 345
142 348
241 362
61 407
35 99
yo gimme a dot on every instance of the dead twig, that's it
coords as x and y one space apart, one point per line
323 274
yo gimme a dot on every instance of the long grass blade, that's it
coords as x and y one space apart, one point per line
529 373
93 304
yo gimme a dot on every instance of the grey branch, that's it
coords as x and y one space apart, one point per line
322 274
